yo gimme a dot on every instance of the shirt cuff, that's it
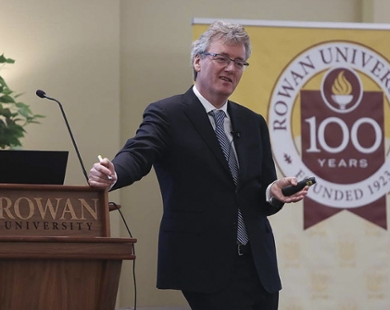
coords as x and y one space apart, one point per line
268 192
271 199
112 185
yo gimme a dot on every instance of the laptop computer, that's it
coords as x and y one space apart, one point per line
33 167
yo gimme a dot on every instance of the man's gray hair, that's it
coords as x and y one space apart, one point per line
221 30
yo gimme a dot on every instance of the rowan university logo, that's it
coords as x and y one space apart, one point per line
329 118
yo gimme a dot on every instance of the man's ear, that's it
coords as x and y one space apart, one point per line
197 63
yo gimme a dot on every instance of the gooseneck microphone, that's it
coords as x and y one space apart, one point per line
42 94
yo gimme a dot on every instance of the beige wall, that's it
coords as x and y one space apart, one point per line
105 60
70 49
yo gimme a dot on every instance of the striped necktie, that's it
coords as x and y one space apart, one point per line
219 118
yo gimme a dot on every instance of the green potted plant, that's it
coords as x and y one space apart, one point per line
14 115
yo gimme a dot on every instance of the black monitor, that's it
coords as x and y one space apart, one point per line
33 167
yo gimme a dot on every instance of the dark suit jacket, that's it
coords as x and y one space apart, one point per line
197 239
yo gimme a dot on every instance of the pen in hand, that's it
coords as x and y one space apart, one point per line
100 160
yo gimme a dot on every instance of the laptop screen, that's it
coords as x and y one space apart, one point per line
33 167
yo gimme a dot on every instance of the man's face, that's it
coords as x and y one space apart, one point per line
216 80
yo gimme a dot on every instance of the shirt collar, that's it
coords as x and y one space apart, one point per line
206 104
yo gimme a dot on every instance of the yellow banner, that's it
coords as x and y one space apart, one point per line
324 89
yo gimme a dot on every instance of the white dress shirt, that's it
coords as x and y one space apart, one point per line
228 130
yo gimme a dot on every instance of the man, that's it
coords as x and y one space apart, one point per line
217 179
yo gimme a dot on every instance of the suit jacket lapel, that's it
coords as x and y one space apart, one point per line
196 113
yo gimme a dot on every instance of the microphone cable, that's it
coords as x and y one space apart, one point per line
131 236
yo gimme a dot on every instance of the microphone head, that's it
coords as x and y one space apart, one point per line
40 93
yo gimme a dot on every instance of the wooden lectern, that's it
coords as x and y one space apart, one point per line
56 252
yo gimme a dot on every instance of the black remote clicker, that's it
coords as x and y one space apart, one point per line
291 190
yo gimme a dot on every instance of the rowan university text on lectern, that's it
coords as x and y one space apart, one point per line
55 248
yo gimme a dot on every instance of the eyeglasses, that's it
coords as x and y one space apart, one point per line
225 60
